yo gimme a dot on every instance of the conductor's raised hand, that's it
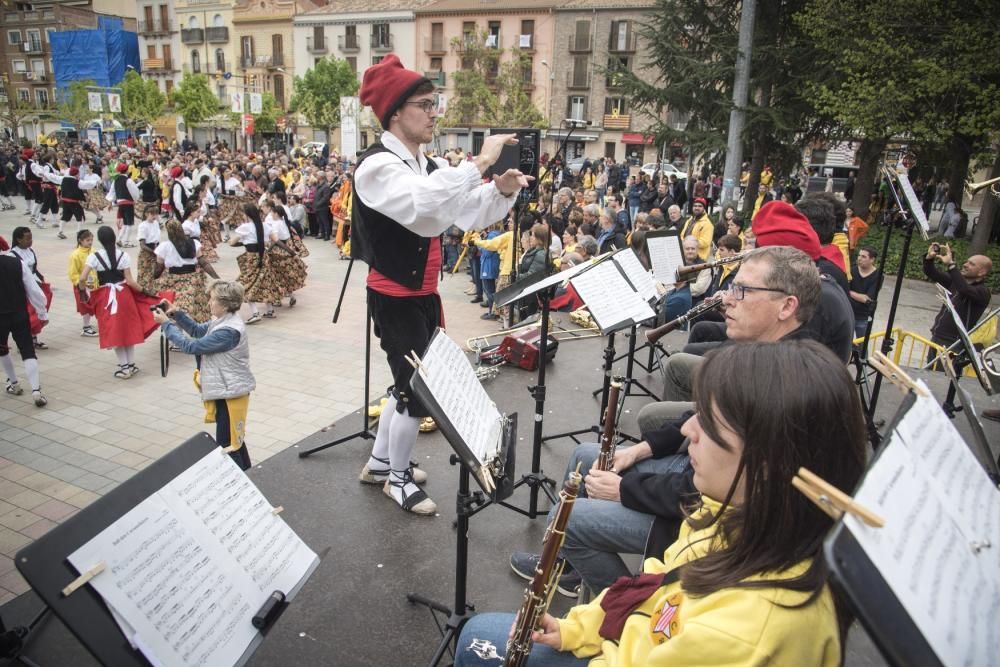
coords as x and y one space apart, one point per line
492 146
511 181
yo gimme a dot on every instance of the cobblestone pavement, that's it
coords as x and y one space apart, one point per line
98 431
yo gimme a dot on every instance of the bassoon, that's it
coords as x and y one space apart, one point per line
606 457
538 595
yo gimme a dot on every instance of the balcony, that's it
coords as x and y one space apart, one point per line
581 43
348 43
619 45
32 46
35 77
192 68
436 77
435 46
524 42
381 42
578 80
614 80
219 35
157 65
276 60
493 41
157 27
192 35
613 121
314 45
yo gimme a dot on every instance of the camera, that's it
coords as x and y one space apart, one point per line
162 306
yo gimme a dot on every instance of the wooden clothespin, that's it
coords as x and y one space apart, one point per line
82 580
231 448
894 374
832 500
277 510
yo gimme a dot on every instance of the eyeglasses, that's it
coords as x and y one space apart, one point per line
426 106
739 292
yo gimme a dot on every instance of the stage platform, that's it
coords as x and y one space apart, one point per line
353 611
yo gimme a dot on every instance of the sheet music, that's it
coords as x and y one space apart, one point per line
610 298
914 202
923 552
555 279
184 581
451 379
637 274
666 255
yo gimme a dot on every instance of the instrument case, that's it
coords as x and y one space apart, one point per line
521 348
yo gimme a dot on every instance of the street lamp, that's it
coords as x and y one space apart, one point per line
548 91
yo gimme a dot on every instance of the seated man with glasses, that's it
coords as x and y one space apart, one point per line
775 293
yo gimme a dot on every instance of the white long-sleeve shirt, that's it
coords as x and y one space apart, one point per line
33 292
133 190
398 186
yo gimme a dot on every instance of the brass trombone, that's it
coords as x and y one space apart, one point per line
993 184
477 343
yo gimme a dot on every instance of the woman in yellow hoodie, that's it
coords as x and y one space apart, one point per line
745 582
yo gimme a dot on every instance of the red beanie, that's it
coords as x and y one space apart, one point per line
121 168
28 153
701 200
176 172
387 85
779 223
73 171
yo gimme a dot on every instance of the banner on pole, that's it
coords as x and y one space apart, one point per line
95 102
256 103
349 136
236 100
115 102
248 124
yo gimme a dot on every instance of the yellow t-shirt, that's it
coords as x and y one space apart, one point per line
702 229
77 259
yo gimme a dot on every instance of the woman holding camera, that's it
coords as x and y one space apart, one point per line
223 356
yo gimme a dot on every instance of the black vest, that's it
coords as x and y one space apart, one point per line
109 274
71 188
29 175
384 244
184 200
121 188
12 297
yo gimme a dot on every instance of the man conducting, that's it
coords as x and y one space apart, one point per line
402 202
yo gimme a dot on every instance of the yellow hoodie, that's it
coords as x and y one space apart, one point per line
734 626
500 244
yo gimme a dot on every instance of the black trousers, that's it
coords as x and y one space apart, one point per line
50 203
16 325
72 210
222 435
325 222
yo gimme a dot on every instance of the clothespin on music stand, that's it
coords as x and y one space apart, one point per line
832 500
894 374
83 579
416 362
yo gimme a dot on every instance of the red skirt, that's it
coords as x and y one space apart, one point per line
123 315
33 321
83 307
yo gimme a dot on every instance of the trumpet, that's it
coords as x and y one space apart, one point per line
653 335
683 272
993 184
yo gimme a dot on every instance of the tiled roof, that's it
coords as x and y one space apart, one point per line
606 4
487 5
354 7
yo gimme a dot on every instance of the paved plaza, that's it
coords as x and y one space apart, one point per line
97 430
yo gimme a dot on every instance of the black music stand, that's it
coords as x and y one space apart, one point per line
45 567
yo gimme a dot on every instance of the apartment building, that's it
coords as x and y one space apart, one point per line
208 44
515 27
593 40
159 42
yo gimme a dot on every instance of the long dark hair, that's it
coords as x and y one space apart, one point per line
811 418
106 237
184 245
253 213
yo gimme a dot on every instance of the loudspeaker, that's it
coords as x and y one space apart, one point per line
523 156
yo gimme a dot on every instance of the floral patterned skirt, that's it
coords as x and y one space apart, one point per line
290 270
93 199
147 265
191 295
259 282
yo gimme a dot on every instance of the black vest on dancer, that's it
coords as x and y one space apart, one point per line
13 299
121 188
184 200
29 174
109 274
70 189
384 244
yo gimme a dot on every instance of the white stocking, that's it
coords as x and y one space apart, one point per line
380 450
122 358
31 370
8 367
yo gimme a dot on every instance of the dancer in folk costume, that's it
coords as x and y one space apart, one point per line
21 241
71 195
121 307
165 184
288 267
95 199
230 202
32 184
181 269
149 239
77 260
179 194
149 189
44 170
18 290
256 273
124 193
208 229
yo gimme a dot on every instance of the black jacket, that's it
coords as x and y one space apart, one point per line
969 299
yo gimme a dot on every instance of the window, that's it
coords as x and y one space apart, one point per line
493 35
23 95
526 69
220 60
38 67
147 13
14 37
436 64
151 50
316 61
609 149
195 62
527 38
616 64
218 22
192 22
34 38
576 109
42 97
581 41
164 17
221 92
277 46
279 90
377 59
3 89
19 66
620 34
169 85
48 34
246 49
380 36
468 31
437 37
352 61
615 106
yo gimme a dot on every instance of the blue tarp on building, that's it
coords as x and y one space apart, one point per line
100 55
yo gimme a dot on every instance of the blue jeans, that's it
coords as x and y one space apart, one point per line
450 255
599 530
632 212
677 303
860 326
474 267
485 635
489 289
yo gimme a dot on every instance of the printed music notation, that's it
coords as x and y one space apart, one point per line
610 298
190 565
939 508
637 274
666 255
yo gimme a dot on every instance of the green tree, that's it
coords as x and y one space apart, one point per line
14 112
267 119
316 95
490 91
74 105
142 101
193 100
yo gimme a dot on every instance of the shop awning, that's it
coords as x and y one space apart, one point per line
636 138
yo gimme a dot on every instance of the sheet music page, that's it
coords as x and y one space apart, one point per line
180 596
948 589
188 567
451 379
610 298
666 255
914 202
637 274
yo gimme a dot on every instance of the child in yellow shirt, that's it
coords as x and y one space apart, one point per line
77 259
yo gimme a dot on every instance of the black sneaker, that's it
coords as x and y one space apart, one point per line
523 564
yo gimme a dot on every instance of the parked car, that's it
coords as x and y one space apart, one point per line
575 165
666 169
313 147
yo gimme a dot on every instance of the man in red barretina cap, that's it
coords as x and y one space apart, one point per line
402 202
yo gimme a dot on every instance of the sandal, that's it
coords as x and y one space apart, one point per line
417 502
379 476
123 373
39 345
15 389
